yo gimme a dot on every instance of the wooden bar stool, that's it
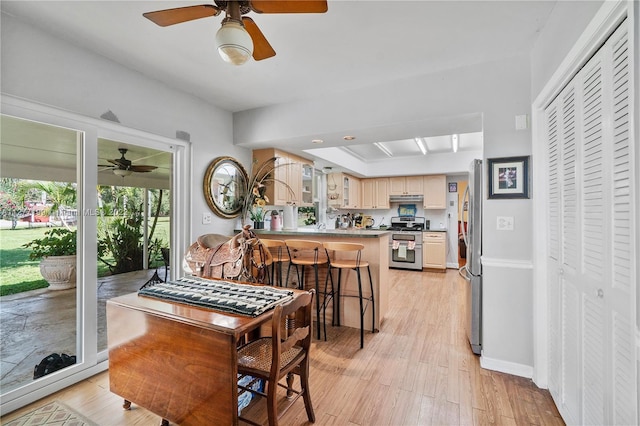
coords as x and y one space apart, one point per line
310 253
349 256
280 254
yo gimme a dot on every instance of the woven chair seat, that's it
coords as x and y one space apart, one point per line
257 355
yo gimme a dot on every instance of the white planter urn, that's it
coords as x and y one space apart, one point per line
59 271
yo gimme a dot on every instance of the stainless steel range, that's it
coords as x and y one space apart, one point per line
405 244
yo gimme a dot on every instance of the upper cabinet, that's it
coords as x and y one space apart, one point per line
307 183
375 193
343 191
351 194
435 192
405 185
296 172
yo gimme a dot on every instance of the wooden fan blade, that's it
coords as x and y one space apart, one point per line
118 162
261 47
285 6
142 169
178 15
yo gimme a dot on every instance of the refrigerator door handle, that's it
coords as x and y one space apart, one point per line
465 199
464 273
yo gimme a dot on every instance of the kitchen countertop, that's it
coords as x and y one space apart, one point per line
359 233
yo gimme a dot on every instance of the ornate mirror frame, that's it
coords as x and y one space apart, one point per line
225 184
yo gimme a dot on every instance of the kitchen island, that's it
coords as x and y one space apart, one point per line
376 252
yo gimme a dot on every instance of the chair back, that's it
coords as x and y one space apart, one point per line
277 248
355 250
305 249
297 329
165 255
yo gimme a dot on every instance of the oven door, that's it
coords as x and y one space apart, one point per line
405 251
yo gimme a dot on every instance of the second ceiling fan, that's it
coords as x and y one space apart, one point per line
239 37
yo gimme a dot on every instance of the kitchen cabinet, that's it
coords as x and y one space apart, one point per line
375 193
343 191
405 185
307 189
351 186
435 192
296 172
434 250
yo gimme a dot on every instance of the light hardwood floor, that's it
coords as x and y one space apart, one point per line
418 370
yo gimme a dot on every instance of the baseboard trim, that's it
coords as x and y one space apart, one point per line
506 367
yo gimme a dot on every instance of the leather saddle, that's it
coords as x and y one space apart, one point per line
239 258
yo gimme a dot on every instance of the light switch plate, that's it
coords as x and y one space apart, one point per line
505 223
206 218
522 122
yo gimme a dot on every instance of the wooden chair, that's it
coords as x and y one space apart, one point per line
278 250
349 256
284 353
309 253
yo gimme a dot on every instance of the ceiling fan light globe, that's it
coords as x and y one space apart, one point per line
121 172
234 43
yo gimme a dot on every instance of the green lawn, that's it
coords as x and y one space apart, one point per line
18 273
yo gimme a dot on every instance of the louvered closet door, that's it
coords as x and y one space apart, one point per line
590 247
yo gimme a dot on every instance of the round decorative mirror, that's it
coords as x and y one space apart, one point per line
225 186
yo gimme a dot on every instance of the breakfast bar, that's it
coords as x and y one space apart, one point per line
376 252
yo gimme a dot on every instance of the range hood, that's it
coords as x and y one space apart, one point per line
405 198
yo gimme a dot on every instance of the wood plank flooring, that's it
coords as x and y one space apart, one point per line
418 370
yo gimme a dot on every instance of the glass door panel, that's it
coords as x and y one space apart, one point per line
38 240
134 220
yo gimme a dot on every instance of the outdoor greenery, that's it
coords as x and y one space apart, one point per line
56 242
120 237
120 229
17 272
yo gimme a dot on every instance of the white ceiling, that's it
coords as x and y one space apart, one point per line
32 150
356 44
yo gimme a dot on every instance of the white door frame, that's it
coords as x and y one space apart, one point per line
91 362
595 34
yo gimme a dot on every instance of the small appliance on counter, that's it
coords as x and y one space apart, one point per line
290 220
276 220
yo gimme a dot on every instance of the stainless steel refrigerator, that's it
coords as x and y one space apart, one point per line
472 271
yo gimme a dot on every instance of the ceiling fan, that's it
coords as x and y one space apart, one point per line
239 37
123 167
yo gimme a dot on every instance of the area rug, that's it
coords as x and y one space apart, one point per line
52 414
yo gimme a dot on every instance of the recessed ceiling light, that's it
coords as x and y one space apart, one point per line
317 141
348 138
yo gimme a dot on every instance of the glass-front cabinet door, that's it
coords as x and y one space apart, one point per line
307 184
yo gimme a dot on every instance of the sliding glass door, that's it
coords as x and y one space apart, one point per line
38 240
63 178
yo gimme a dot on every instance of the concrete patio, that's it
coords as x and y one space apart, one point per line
40 322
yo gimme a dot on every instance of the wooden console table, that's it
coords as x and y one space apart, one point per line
175 360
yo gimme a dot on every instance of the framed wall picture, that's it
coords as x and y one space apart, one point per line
509 177
453 186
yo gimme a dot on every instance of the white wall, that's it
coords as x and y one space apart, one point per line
565 24
41 68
